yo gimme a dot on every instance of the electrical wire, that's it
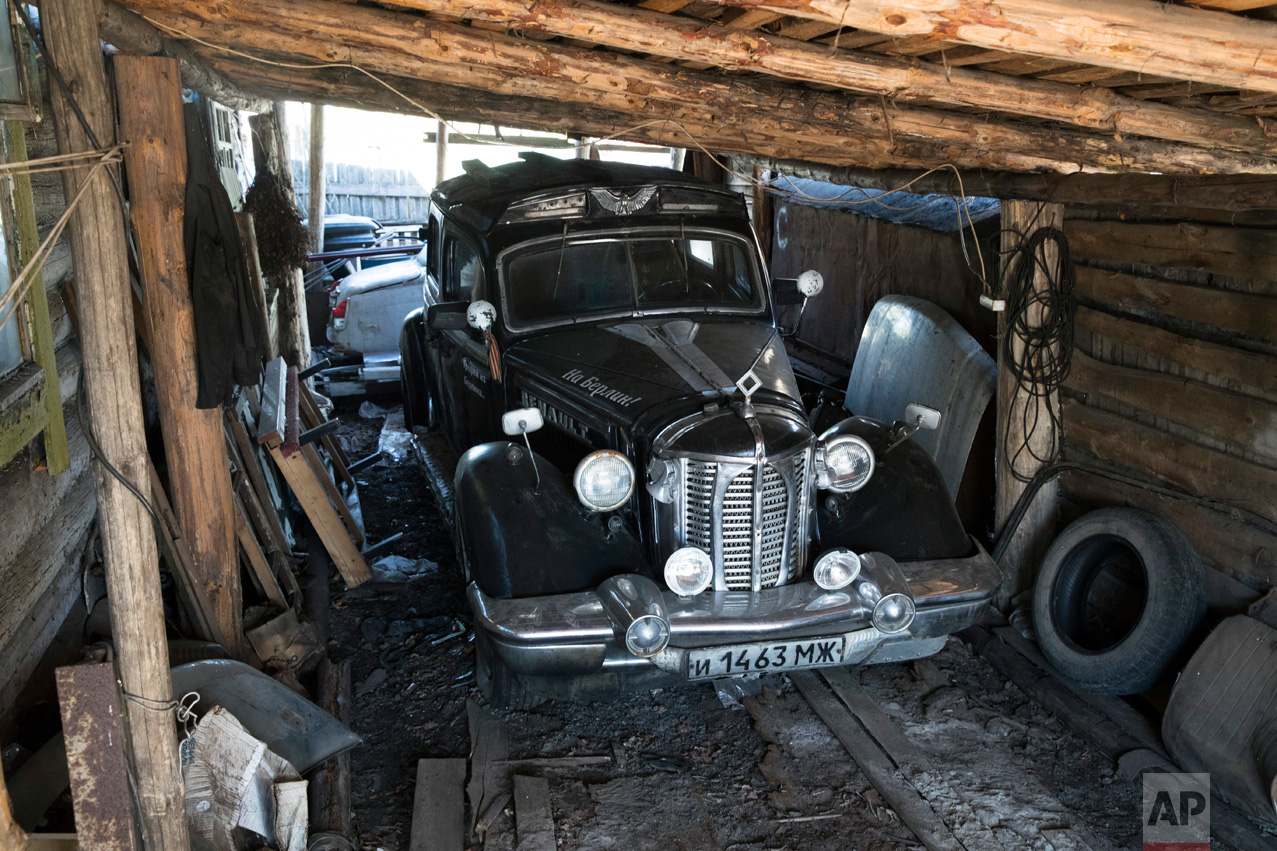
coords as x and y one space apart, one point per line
1037 345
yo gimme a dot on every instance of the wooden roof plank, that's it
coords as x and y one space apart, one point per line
706 43
1175 41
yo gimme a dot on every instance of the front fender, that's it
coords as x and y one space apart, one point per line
521 540
905 510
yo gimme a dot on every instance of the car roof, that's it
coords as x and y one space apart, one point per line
487 191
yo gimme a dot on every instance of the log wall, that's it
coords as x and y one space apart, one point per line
45 520
1174 382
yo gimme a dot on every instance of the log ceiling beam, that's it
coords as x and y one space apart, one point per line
907 80
345 87
811 124
1144 36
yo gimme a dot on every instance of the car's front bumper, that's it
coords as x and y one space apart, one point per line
572 634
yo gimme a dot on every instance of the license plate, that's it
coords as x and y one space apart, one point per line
761 658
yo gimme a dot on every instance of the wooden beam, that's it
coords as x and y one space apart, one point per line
1242 252
314 500
904 80
1027 437
109 349
128 33
1241 421
532 814
1251 373
1235 312
408 45
270 152
11 835
330 789
316 179
1141 36
1230 193
151 122
1180 463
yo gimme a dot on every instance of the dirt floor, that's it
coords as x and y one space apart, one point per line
675 769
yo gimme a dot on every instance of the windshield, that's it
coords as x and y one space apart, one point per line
557 280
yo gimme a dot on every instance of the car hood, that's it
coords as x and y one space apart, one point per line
376 277
634 365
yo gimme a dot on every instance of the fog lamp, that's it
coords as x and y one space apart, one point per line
893 613
836 569
647 636
688 571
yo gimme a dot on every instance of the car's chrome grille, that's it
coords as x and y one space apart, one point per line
778 519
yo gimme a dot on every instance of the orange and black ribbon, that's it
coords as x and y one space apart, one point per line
494 356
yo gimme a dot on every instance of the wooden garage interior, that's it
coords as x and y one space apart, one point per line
1132 136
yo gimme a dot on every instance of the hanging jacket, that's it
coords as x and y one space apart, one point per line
230 334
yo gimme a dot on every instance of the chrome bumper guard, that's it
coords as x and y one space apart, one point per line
574 634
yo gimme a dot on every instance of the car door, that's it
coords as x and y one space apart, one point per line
470 390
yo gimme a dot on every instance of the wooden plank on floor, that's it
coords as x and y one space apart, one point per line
877 767
314 500
489 748
532 816
438 808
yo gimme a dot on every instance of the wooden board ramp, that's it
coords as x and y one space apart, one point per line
877 766
438 809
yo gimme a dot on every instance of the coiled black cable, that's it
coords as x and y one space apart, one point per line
1037 345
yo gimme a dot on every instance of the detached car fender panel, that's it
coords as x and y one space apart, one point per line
522 539
904 510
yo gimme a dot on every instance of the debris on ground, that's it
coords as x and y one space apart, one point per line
394 568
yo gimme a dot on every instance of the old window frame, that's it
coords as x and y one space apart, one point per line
30 396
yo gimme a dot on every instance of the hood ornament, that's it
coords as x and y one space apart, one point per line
617 201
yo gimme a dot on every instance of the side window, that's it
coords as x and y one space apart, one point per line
10 344
462 270
432 242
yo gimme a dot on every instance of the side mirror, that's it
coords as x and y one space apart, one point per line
810 283
522 421
922 417
449 316
481 315
423 233
797 291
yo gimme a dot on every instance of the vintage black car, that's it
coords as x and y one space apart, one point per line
679 514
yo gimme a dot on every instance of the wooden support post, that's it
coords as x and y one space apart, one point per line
115 416
270 152
12 836
330 792
318 178
1023 419
151 121
441 154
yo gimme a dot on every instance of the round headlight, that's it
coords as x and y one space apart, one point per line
836 569
647 636
604 480
688 571
893 613
849 464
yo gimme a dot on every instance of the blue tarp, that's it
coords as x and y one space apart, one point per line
938 212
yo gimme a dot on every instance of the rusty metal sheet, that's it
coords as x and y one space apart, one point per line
93 724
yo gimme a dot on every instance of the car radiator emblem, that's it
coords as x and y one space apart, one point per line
622 204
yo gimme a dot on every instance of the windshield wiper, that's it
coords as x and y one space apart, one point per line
563 249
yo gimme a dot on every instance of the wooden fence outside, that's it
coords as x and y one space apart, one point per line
391 196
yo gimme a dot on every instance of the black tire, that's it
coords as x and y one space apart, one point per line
1118 593
418 407
502 687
